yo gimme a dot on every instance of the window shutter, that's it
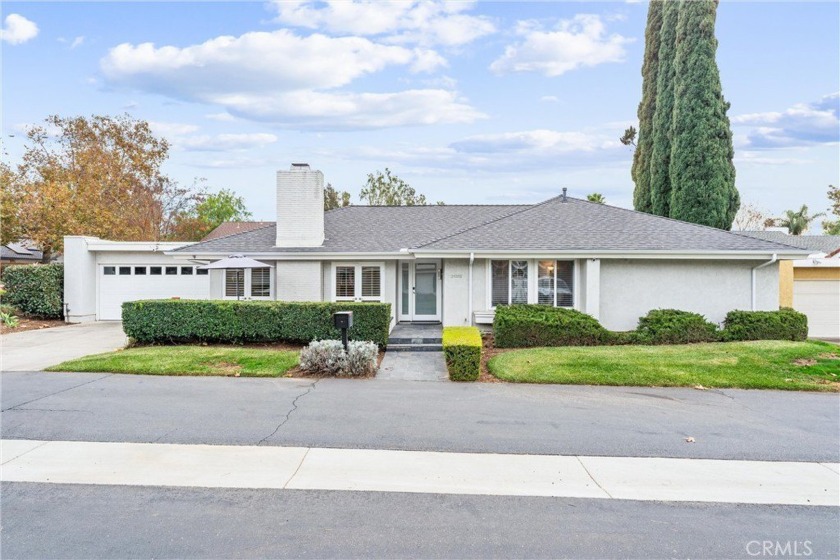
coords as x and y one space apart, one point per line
260 282
345 281
371 283
234 281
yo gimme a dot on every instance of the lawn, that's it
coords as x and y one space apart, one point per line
188 360
810 366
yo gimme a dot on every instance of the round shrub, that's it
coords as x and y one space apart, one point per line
784 324
524 326
672 326
35 289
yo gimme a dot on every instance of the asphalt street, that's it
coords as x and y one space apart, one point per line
80 521
477 417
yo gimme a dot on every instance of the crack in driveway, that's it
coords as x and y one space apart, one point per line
309 389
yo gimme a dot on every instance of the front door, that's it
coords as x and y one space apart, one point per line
420 290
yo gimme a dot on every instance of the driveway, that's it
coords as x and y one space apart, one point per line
39 349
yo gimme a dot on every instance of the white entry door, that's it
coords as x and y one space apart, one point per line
420 290
248 283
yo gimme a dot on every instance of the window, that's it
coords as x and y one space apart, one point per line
358 282
509 282
260 282
371 282
234 282
155 270
141 270
125 270
556 283
345 281
171 270
186 270
109 270
201 271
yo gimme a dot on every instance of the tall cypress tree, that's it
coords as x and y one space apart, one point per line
660 157
641 157
702 175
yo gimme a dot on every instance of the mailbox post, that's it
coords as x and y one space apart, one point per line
343 320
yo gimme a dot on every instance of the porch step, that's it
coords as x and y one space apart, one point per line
414 340
414 347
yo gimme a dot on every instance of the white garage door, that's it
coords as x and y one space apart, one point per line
120 283
820 301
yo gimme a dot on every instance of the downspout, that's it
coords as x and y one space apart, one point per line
470 291
752 274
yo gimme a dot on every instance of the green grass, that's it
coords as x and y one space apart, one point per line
746 365
188 360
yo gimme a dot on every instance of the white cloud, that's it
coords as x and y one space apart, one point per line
257 61
278 77
221 117
804 124
17 29
549 99
579 42
353 110
224 142
77 42
424 22
171 128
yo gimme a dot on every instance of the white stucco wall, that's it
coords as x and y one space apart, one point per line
631 288
79 280
456 293
298 281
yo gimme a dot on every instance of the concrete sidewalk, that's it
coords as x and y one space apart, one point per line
39 349
652 479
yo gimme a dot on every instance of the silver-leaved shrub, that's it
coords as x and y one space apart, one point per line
329 357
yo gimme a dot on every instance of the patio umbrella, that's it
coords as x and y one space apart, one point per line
236 261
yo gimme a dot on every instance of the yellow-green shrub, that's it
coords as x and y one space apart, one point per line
462 349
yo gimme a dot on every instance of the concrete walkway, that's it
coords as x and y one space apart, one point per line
413 366
376 470
38 349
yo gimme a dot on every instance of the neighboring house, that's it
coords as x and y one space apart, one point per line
452 264
229 228
810 285
16 253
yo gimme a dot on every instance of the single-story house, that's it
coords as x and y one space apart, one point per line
810 285
451 264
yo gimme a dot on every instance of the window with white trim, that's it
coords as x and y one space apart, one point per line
234 282
508 282
260 282
555 283
358 282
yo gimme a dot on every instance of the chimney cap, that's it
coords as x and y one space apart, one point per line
300 167
563 197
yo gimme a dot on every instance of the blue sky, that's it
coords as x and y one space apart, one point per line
469 102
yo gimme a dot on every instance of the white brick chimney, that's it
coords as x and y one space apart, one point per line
300 207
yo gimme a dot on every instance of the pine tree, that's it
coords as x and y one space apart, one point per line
660 157
702 175
641 157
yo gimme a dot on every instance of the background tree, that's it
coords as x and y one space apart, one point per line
660 148
9 226
209 212
799 221
629 138
97 176
750 218
596 197
385 189
832 227
702 175
334 198
647 108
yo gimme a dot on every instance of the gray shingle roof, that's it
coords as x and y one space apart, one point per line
554 225
816 243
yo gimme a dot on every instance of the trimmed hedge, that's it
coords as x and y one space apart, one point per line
784 324
524 326
672 326
462 349
178 321
35 289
